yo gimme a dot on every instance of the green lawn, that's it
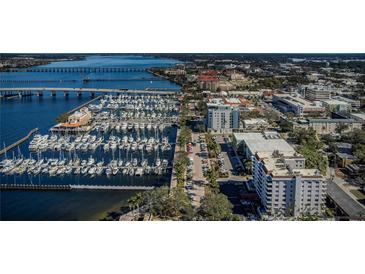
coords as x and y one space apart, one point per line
359 194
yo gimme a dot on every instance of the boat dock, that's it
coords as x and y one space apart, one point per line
83 105
32 187
173 180
17 143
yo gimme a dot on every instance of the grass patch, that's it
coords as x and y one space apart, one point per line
358 194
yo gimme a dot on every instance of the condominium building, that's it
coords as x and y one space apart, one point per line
285 186
222 117
280 178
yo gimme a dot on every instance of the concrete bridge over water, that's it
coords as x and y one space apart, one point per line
28 91
77 69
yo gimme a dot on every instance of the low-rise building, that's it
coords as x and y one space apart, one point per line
360 117
328 126
255 124
355 104
175 71
296 105
208 82
246 93
79 118
335 105
316 92
248 143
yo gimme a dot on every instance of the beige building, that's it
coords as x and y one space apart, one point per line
79 118
328 126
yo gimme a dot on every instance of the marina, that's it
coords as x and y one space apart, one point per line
128 147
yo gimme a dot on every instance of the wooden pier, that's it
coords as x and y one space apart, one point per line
17 143
32 187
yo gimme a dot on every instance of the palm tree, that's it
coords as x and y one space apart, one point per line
135 201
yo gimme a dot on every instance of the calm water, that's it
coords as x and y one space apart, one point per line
19 116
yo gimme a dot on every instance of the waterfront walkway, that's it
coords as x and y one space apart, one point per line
173 181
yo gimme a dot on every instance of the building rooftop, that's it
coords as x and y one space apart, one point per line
268 141
276 166
359 115
344 201
331 120
255 121
335 102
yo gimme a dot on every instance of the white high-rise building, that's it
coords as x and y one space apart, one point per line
222 117
279 175
285 186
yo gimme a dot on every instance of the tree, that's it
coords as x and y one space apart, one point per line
180 165
216 207
135 201
169 205
212 178
200 128
359 152
271 116
309 144
341 127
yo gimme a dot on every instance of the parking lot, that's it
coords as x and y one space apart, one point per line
195 186
231 163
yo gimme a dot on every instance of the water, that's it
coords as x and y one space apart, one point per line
19 116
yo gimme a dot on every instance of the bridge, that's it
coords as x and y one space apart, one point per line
77 69
27 91
142 79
